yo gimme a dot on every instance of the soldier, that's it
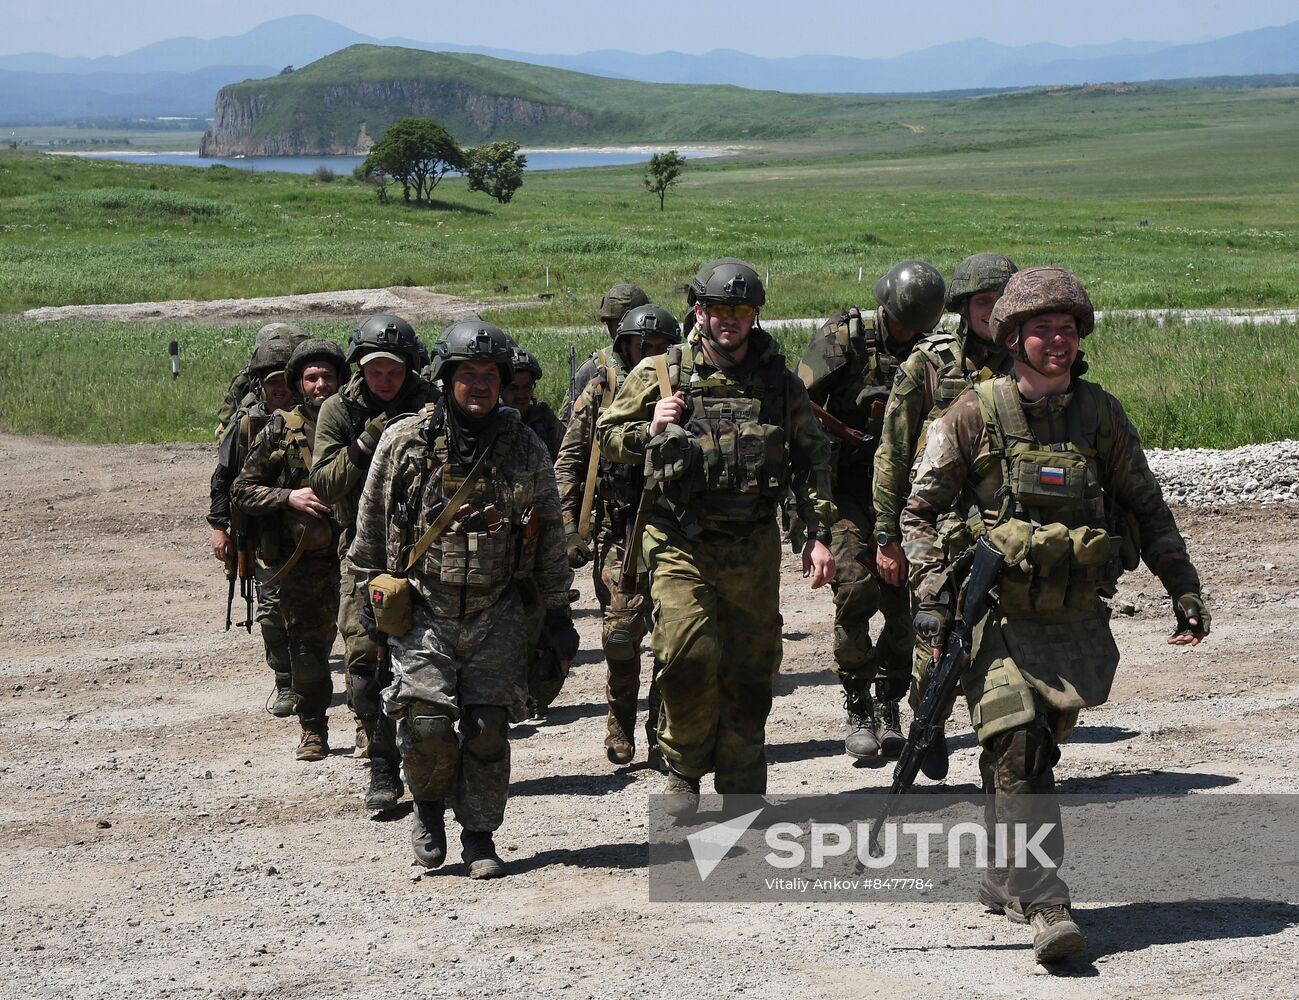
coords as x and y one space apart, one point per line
1051 462
645 331
849 368
724 431
462 500
938 370
387 351
244 382
536 414
268 391
617 302
298 541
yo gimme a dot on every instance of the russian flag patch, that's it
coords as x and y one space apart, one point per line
1050 475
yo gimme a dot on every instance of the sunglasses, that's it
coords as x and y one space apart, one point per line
741 311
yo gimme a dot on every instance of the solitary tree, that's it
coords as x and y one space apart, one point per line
662 172
496 169
417 153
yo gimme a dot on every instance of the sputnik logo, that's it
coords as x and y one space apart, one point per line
711 844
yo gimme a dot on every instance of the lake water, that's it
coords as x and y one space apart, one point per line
540 159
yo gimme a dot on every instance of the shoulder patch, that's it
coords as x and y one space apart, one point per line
899 377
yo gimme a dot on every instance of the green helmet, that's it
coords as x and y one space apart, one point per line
318 351
1038 290
726 280
472 340
384 334
979 272
269 357
291 332
525 362
647 320
911 295
618 299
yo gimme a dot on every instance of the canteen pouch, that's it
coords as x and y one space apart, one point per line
390 598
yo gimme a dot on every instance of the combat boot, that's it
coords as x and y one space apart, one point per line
361 748
284 703
428 835
618 744
479 852
1055 935
889 728
385 787
860 740
314 744
681 795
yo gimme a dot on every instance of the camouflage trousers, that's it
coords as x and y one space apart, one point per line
625 620
858 595
270 619
308 598
365 664
717 640
457 683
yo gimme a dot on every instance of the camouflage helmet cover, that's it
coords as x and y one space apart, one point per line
386 333
649 320
1038 290
319 351
524 361
618 299
979 272
291 332
726 280
472 340
911 294
270 357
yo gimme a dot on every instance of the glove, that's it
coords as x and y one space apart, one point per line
1190 606
932 622
671 455
361 450
579 550
557 633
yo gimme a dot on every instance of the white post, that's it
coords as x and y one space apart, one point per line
859 273
548 276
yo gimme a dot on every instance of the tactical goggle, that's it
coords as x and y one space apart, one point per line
723 311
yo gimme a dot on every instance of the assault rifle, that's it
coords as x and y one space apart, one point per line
572 379
629 572
927 726
239 567
836 428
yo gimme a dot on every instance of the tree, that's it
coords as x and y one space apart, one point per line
662 172
496 169
417 153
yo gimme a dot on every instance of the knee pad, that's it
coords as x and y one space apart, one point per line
621 635
431 729
485 732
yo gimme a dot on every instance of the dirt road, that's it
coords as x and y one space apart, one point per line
159 839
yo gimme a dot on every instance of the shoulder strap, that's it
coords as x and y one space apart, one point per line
661 370
440 523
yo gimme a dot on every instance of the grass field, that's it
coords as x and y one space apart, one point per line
1205 385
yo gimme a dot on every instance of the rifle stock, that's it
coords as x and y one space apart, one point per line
629 572
927 726
836 428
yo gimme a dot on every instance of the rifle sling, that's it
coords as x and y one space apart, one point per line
593 463
444 519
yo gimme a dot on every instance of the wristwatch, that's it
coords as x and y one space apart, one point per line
823 535
883 539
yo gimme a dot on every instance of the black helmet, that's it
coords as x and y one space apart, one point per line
525 362
384 334
472 340
618 299
911 295
270 356
648 320
321 352
726 280
979 272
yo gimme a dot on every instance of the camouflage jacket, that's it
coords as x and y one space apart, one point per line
848 368
623 429
466 570
957 466
541 420
339 470
279 463
236 443
586 371
241 386
575 452
926 384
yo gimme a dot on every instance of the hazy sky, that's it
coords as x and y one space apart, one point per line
764 27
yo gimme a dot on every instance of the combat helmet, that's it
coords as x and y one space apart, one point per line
386 335
526 362
291 332
728 281
618 299
911 294
979 272
1038 290
270 357
648 320
472 340
321 352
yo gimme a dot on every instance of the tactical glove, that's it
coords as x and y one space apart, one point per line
362 449
557 633
579 550
932 622
1190 606
671 455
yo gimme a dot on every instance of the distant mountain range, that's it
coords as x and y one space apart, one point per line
181 76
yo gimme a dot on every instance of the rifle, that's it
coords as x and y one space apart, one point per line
240 567
629 573
572 378
836 428
927 726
